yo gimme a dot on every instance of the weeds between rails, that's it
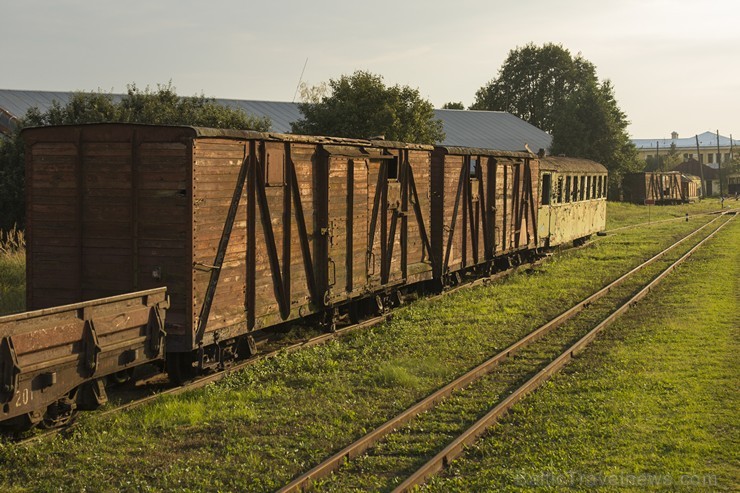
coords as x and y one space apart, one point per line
456 448
271 410
360 473
281 341
651 397
202 381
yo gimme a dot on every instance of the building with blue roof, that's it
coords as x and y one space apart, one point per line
687 148
463 128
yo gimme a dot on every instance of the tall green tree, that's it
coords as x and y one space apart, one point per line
361 106
160 106
534 83
453 106
561 94
591 125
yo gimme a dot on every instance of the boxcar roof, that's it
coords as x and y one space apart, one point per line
571 164
205 132
647 173
478 151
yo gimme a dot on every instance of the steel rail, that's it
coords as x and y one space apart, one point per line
457 446
215 377
333 463
678 218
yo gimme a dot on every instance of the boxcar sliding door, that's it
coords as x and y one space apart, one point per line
347 223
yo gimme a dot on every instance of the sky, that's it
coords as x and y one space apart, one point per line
674 65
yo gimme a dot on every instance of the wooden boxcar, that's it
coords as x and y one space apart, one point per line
483 207
690 188
572 202
659 187
733 184
246 229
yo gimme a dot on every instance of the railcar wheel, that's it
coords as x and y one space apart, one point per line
121 377
354 312
60 413
180 367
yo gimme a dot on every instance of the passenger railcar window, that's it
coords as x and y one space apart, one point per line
560 190
393 169
601 189
567 189
593 187
588 187
473 168
582 188
546 186
575 189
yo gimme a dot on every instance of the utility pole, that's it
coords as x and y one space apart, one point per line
719 167
701 169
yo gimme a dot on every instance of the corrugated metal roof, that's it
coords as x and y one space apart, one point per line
706 139
491 130
463 128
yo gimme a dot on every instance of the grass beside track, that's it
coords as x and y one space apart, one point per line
398 455
12 272
650 405
257 429
620 214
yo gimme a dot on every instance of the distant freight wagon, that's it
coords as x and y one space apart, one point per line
659 187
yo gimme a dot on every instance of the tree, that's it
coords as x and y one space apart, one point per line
561 94
12 197
360 106
162 106
534 83
591 125
453 106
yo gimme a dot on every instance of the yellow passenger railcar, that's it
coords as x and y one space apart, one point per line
572 203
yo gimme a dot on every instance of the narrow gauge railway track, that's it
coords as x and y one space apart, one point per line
313 341
347 459
323 338
677 218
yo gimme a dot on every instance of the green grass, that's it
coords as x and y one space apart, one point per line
12 272
402 452
651 405
620 214
258 428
